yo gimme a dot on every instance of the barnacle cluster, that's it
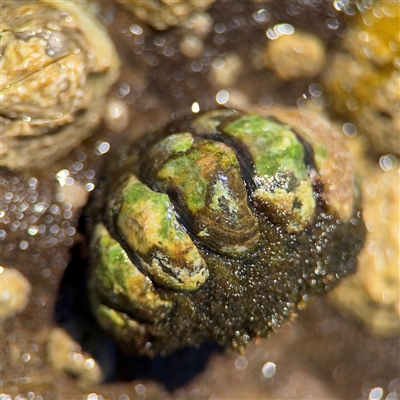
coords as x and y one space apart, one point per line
363 81
372 295
162 14
363 87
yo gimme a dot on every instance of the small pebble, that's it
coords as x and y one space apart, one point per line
295 56
191 46
15 290
66 355
226 71
75 194
117 115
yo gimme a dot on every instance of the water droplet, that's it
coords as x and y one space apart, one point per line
388 162
241 363
283 29
349 129
196 66
33 230
271 34
220 27
222 97
375 394
102 148
90 363
332 23
269 369
261 15
136 29
195 107
89 187
23 245
140 389
218 63
315 89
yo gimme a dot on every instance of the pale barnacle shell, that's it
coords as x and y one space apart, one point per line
57 64
163 14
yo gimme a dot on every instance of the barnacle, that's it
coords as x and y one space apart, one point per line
363 82
57 64
162 14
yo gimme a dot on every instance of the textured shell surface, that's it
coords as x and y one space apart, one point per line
219 226
57 65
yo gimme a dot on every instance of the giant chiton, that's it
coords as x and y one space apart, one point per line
219 226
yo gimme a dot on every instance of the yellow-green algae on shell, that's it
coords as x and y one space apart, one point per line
145 220
214 182
301 248
281 174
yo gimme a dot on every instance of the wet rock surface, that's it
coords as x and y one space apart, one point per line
321 355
